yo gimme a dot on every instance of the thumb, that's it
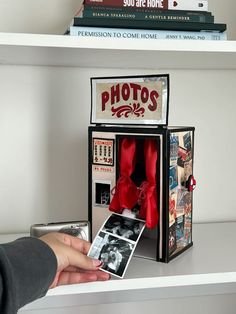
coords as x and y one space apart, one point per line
70 251
80 260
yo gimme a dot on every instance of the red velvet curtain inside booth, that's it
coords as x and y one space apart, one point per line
148 189
125 191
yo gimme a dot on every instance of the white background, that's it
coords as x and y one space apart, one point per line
44 115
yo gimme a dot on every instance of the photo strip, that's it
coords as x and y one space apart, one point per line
115 243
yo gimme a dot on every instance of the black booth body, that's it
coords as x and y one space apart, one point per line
173 232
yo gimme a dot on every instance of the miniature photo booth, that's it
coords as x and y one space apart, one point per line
138 165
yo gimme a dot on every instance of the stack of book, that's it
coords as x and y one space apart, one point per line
147 19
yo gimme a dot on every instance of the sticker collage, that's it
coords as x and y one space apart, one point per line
180 198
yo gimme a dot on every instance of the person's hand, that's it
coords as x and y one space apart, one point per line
73 266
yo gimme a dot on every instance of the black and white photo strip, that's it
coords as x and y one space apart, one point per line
115 243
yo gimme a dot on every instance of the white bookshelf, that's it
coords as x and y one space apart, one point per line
34 49
209 268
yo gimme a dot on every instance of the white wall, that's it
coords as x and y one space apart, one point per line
44 115
41 16
210 304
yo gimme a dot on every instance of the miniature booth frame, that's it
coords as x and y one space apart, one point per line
141 165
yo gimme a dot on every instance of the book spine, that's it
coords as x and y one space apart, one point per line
199 5
144 10
147 24
158 15
122 33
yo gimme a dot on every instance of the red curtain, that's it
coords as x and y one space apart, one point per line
148 189
125 192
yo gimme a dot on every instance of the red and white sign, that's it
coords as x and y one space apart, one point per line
130 100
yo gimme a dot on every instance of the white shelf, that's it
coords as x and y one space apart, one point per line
208 268
54 50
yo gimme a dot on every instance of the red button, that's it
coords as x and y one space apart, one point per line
191 183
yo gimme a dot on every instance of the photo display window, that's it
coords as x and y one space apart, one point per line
102 193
